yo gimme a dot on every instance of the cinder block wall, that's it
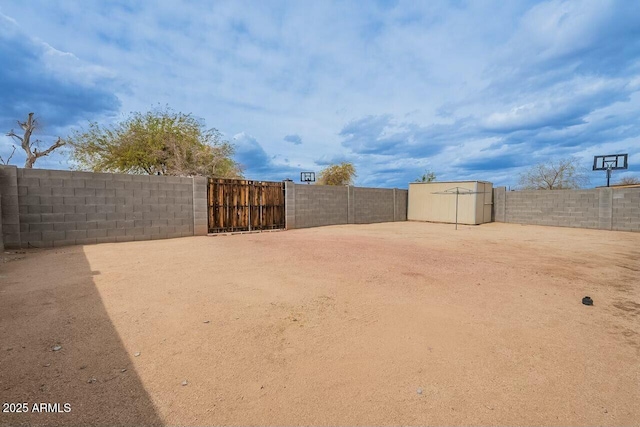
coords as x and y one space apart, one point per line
1 238
373 205
318 205
600 208
57 208
625 209
499 198
290 204
10 215
402 203
200 209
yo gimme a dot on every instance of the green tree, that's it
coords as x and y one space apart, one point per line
427 176
160 141
554 175
342 174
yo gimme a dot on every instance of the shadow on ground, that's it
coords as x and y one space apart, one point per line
45 306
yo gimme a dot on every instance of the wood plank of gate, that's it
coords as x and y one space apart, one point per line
234 233
241 205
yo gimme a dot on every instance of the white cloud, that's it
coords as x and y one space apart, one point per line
450 77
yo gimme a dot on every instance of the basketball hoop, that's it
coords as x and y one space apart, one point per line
610 162
308 177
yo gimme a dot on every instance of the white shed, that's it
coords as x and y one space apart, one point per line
436 202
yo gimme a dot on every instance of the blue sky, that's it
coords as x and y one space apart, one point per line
468 89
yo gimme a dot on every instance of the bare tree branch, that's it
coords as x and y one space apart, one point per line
629 181
554 175
25 142
12 134
9 158
57 144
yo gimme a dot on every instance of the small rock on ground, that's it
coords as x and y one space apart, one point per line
56 348
419 391
137 354
184 382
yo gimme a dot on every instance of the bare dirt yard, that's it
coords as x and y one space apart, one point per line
385 324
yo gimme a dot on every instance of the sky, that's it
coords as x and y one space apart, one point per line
471 90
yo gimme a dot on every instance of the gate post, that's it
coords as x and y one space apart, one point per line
289 205
250 203
200 208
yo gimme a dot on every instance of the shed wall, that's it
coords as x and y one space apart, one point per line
429 202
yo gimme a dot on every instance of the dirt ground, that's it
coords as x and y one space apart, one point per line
384 324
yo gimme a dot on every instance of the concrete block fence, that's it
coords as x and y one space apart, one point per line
598 208
43 208
318 205
46 208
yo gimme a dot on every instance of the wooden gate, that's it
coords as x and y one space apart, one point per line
240 205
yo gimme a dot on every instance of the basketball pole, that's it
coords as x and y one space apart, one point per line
608 175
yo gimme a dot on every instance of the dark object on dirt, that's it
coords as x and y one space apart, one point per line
587 301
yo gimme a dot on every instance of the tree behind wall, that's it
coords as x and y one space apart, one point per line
160 141
630 180
427 176
554 175
342 174
31 147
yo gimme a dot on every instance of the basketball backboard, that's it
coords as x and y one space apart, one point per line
308 177
610 162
